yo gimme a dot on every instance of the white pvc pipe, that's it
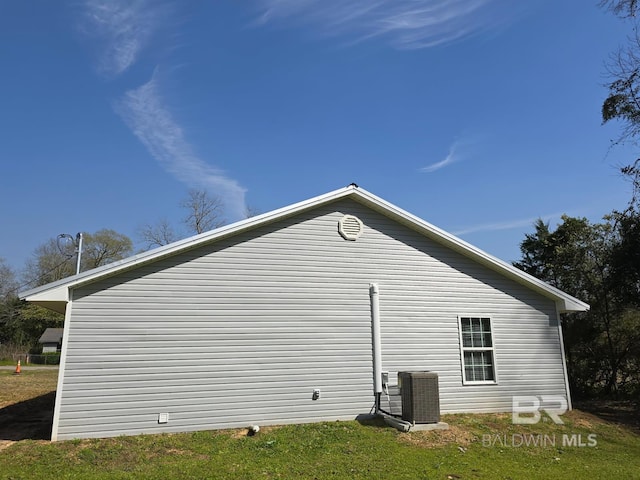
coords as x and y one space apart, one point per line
79 250
398 423
375 338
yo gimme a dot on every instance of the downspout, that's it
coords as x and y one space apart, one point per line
376 343
564 358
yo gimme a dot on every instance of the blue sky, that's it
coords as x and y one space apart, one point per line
478 116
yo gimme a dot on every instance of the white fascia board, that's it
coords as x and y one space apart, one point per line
56 294
52 299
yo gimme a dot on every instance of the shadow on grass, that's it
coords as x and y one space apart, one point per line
621 412
370 420
28 420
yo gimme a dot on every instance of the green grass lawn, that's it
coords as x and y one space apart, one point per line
476 446
26 386
7 362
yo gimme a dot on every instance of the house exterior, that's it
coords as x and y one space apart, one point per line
271 321
51 340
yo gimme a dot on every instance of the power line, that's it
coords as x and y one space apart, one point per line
17 289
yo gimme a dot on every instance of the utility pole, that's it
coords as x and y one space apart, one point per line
78 251
77 243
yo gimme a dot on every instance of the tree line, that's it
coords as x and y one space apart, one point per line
599 263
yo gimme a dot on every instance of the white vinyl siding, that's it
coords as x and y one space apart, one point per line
476 350
241 331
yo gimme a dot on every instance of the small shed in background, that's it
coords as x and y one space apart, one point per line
51 340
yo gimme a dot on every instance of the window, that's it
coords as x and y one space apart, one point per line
476 350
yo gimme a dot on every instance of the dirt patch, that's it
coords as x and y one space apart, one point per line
241 433
625 413
244 432
455 435
5 443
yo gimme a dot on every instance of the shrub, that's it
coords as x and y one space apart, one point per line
49 358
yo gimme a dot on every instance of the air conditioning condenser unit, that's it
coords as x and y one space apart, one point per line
420 397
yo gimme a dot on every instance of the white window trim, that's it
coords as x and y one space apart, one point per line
478 349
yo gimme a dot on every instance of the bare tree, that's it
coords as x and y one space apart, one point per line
204 211
48 264
8 280
251 211
621 8
9 309
162 233
623 101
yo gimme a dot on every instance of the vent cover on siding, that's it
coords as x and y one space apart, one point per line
350 227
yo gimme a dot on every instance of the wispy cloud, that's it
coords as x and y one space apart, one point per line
451 157
144 112
461 149
506 225
405 24
125 28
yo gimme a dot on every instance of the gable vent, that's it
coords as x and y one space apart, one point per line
350 227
